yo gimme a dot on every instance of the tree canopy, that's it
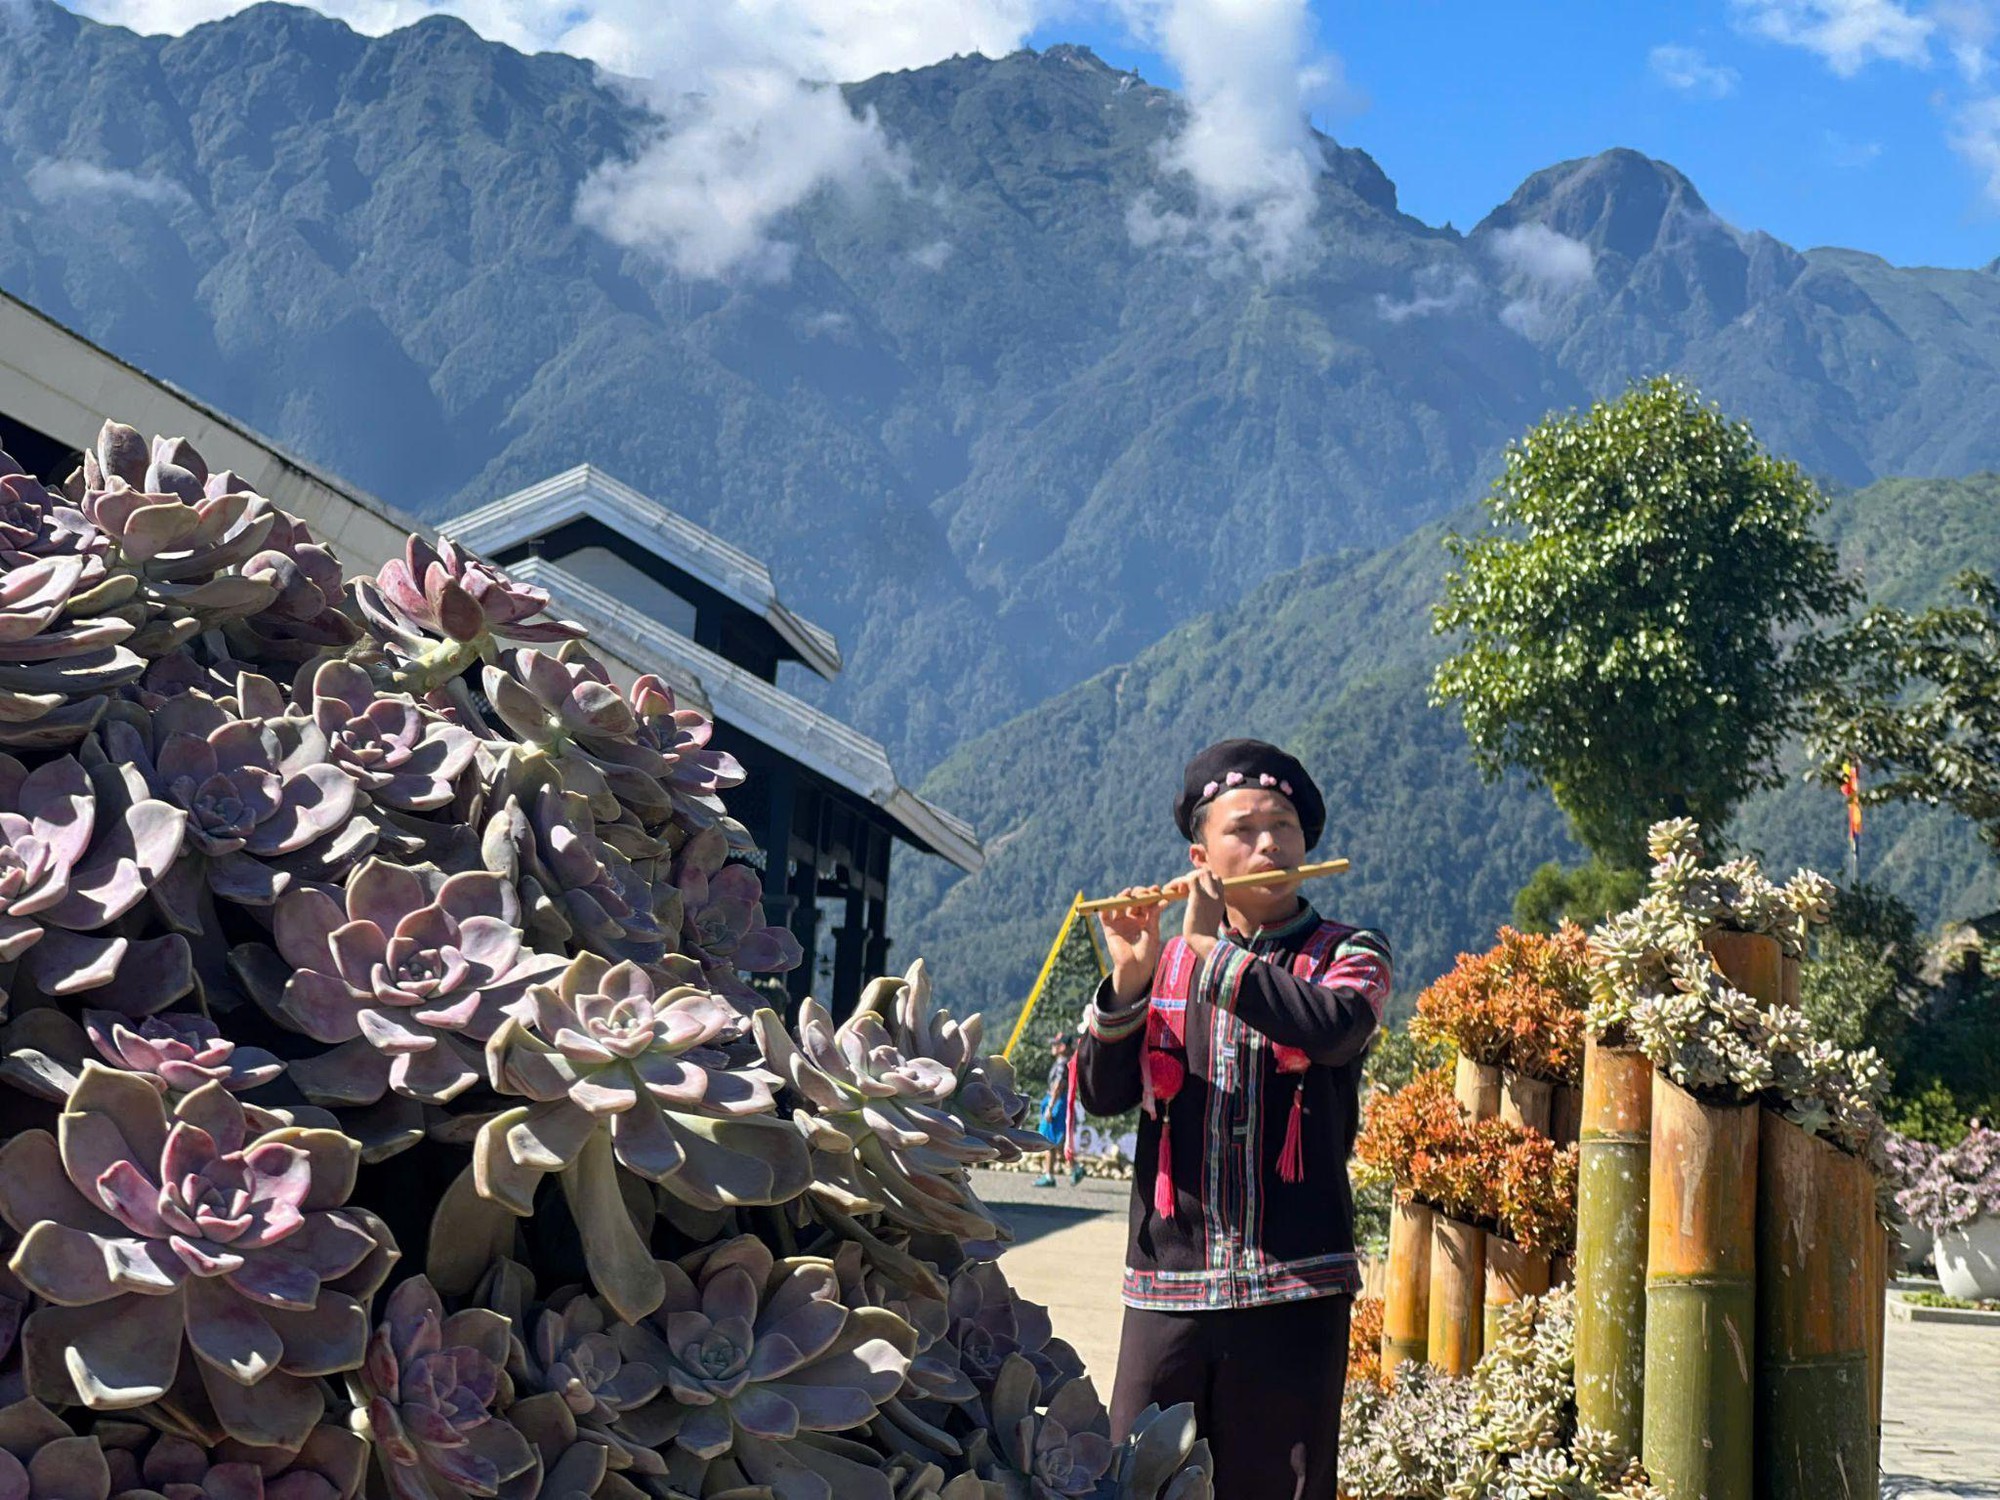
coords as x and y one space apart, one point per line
1631 627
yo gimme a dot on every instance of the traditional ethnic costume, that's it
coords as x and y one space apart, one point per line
1240 1266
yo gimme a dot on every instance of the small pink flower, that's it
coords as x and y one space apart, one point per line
1285 787
1211 789
1234 778
1267 779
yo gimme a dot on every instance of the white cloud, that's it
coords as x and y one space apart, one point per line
1438 291
64 180
1689 70
1251 75
1975 135
932 256
1547 257
1969 27
1848 34
1544 265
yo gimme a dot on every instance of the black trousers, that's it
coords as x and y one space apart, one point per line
1265 1383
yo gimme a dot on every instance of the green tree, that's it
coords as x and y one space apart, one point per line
1584 894
1630 625
1915 699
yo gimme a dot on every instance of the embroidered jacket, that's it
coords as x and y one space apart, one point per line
1263 1035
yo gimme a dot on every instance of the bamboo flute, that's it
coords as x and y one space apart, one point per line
1177 888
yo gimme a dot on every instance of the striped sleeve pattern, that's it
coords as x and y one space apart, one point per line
1114 1025
1361 962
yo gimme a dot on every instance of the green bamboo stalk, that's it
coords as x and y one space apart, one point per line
1701 1297
1815 1222
1613 1177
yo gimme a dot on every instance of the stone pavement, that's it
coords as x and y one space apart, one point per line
1941 1390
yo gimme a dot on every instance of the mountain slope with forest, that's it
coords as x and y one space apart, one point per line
1333 661
979 432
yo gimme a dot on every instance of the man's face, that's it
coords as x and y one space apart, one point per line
1248 829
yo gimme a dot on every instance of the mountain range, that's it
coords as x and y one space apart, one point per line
1007 453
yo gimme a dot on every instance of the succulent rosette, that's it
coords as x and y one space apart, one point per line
991 1322
59 656
575 886
304 620
78 850
882 1138
680 737
169 1243
42 1458
723 912
176 1051
431 1398
1057 1452
618 1070
759 1354
183 532
265 803
984 1099
401 753
1164 1458
441 609
406 979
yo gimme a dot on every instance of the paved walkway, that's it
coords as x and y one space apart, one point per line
1941 1396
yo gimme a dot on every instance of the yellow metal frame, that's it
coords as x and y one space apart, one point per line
1048 967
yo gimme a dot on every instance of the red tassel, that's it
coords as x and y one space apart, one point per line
1292 1160
1163 1176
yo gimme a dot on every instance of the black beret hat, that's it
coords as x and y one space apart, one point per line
1231 764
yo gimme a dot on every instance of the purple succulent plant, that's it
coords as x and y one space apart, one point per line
1956 1186
617 1070
264 802
151 1234
58 657
884 1140
575 885
330 1465
757 1353
1059 1452
405 980
440 609
78 850
304 620
431 1398
984 1100
177 1052
401 753
42 1458
990 1322
723 912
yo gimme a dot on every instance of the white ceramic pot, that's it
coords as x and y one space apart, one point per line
1968 1260
1915 1248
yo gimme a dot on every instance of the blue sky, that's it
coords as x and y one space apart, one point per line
1461 101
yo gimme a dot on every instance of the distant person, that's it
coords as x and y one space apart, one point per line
1057 1123
1241 1040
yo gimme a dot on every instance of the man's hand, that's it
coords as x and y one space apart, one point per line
1132 939
1206 911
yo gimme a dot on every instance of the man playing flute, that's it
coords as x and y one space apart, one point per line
1241 1040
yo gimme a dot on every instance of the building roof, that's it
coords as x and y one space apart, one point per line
586 492
62 385
768 714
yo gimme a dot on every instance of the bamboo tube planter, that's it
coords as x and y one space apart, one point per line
1566 1115
1526 1101
1751 962
1511 1275
1613 1176
1457 1297
1477 1087
1458 1250
1701 1297
1882 1242
1816 1244
1406 1293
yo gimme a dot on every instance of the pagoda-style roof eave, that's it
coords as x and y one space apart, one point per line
587 492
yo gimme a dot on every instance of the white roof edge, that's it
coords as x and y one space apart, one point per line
767 713
515 519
